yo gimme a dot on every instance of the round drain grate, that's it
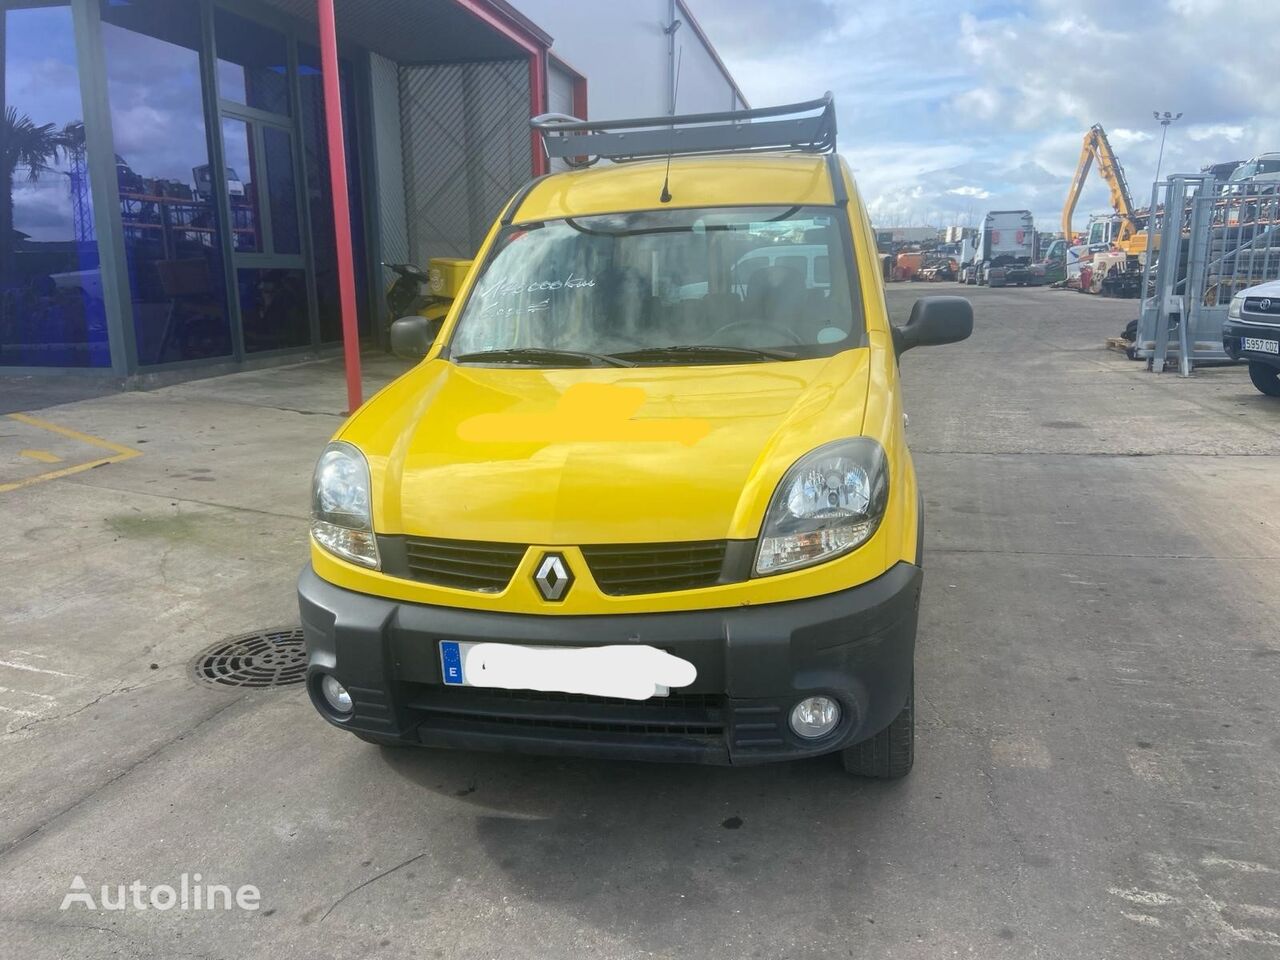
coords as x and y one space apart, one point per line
266 658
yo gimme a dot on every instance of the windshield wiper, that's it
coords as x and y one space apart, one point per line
691 351
536 354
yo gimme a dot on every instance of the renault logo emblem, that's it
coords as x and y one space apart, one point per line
552 577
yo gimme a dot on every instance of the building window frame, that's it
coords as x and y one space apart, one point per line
105 195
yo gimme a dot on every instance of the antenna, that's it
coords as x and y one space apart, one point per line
665 195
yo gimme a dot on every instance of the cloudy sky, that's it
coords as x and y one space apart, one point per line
949 108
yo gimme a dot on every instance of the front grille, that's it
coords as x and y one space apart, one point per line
623 569
680 715
464 564
1272 313
630 568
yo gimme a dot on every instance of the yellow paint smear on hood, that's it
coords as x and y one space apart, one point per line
585 412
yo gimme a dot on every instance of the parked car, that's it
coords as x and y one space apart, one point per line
810 260
1252 333
601 519
1052 267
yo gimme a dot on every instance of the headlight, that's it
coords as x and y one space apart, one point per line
829 503
1237 304
341 520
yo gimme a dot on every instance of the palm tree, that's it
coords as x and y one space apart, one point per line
23 143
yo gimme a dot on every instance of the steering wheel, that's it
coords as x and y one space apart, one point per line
788 335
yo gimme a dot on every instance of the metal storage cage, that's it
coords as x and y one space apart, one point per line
1216 238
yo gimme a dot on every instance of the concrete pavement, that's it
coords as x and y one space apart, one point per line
1098 759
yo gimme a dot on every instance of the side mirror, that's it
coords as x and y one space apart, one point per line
935 320
412 337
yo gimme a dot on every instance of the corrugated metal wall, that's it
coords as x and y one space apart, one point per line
385 77
465 148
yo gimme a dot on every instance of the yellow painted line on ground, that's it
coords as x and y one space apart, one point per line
44 456
74 434
119 452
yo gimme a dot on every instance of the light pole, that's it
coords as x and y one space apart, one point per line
1164 119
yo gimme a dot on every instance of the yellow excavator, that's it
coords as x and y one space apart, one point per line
1131 238
1116 271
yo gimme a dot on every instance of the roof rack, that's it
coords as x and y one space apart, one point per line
581 143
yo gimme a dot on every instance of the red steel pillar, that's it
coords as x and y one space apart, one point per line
341 202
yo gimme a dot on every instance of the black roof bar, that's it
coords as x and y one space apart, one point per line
583 142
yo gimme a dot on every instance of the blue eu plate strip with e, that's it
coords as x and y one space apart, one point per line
451 662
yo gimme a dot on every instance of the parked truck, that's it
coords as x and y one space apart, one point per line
1007 248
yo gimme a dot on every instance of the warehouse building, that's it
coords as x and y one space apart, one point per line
169 208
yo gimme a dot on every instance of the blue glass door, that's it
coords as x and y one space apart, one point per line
270 266
260 157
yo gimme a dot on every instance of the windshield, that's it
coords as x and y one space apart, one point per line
1256 168
668 286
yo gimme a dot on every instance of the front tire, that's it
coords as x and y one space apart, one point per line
890 754
1265 377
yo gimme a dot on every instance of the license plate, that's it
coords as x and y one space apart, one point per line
1259 345
631 672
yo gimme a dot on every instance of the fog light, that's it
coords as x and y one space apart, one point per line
335 694
815 717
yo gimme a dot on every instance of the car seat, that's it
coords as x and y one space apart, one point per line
776 297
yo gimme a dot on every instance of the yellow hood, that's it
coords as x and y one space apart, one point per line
598 455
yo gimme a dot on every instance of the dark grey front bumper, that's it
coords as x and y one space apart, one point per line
1234 332
753 664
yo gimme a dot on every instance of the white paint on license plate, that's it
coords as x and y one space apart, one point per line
631 672
1260 345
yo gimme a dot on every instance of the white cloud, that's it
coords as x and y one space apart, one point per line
42 208
1200 132
970 191
1198 8
1123 136
939 95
